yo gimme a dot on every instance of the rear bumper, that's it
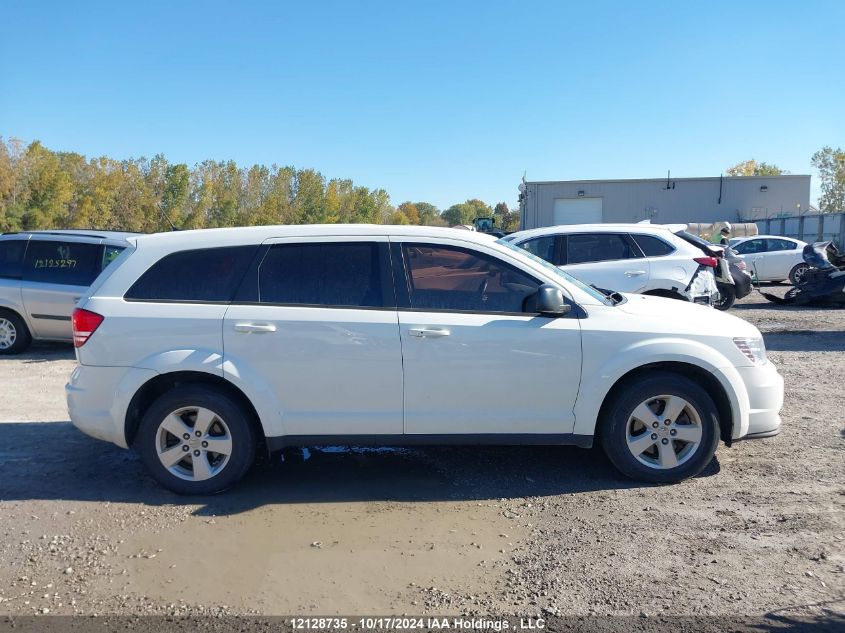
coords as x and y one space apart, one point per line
98 398
764 386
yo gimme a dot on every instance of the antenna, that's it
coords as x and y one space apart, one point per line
164 215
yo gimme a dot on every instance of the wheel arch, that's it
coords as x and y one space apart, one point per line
711 383
162 383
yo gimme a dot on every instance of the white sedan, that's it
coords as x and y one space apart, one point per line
772 257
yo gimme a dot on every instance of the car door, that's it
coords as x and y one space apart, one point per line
754 253
56 273
477 360
780 258
319 328
606 260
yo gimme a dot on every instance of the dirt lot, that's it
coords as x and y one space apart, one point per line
434 531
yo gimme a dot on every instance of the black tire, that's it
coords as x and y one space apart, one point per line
727 297
240 429
613 429
22 336
798 274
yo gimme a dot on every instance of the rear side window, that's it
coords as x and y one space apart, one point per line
751 246
652 246
336 274
781 245
584 248
110 254
11 258
55 262
207 274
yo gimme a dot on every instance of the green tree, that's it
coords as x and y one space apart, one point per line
466 212
429 214
831 166
753 168
411 212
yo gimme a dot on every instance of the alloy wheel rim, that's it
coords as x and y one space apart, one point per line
664 432
8 333
193 443
799 274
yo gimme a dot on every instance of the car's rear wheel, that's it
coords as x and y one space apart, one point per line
194 440
727 297
660 428
798 274
14 335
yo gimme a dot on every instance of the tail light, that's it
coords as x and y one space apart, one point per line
741 265
712 262
85 323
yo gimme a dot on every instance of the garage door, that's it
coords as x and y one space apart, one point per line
577 211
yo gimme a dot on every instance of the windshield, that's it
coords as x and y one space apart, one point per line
558 272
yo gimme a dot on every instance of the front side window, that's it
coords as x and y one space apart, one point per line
584 248
67 263
202 275
335 274
652 246
542 247
11 258
451 278
751 246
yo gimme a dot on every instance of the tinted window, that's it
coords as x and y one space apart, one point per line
325 274
451 278
70 263
542 247
598 247
751 246
208 274
110 254
780 245
11 258
652 246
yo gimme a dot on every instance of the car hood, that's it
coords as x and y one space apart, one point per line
672 316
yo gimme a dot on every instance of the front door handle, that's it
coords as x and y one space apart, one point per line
255 327
428 332
634 273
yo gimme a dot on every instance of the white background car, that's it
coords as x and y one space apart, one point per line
771 257
196 347
644 258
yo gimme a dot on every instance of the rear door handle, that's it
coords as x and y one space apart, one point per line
634 273
428 332
255 327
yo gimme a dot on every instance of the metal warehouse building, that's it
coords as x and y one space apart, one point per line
663 200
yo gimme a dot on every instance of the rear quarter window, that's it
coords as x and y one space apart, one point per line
652 246
206 274
57 262
11 258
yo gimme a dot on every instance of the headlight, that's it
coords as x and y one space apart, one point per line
753 349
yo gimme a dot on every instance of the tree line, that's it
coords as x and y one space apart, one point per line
43 189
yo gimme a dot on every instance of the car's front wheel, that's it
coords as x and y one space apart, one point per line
660 428
14 335
194 440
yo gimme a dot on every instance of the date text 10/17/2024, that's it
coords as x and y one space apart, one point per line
406 623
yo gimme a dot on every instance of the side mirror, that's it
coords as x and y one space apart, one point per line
550 301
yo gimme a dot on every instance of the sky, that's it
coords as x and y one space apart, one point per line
431 101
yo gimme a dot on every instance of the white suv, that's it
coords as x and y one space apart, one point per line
197 347
646 258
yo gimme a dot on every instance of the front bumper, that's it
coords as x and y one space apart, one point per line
98 398
764 386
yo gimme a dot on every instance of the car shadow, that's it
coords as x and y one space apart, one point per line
80 468
805 341
41 352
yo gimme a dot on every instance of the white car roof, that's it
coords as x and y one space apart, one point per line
655 229
254 234
771 237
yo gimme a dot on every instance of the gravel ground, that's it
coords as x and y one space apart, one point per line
440 530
